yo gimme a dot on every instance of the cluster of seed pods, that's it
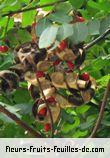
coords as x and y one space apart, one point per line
47 73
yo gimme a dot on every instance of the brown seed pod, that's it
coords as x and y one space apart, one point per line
19 69
44 65
8 80
55 110
29 54
67 55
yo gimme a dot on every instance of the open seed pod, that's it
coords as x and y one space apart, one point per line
44 65
8 80
34 91
66 55
58 80
29 54
19 69
41 113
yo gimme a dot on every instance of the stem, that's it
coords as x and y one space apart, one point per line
33 8
6 28
100 38
19 122
101 113
48 108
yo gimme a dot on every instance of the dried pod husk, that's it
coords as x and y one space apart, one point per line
55 111
58 80
30 77
29 54
63 102
44 65
67 55
80 57
34 91
8 80
75 98
19 69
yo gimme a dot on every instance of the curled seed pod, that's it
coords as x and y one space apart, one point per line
44 65
9 80
80 57
30 77
34 92
55 110
67 55
29 54
19 69
75 97
58 80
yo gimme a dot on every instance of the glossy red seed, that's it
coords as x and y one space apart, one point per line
51 100
3 49
80 19
70 65
85 76
43 111
63 45
47 127
40 74
57 62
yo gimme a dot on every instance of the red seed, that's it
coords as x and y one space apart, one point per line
80 19
62 46
70 65
47 127
3 49
51 100
43 111
40 74
85 76
57 62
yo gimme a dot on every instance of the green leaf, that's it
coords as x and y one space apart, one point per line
82 109
28 18
77 4
94 27
42 24
60 17
68 127
103 80
65 31
48 36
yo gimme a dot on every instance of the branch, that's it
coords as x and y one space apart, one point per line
19 122
101 113
33 8
48 108
100 38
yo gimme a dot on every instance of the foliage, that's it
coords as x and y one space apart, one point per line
57 26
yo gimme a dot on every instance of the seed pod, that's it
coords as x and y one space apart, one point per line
19 69
29 54
67 55
8 80
44 65
55 110
80 57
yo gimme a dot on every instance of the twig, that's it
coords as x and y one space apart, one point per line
101 37
48 108
33 8
101 113
19 122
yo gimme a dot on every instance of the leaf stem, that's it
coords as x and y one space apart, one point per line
48 108
33 8
101 113
19 122
100 38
